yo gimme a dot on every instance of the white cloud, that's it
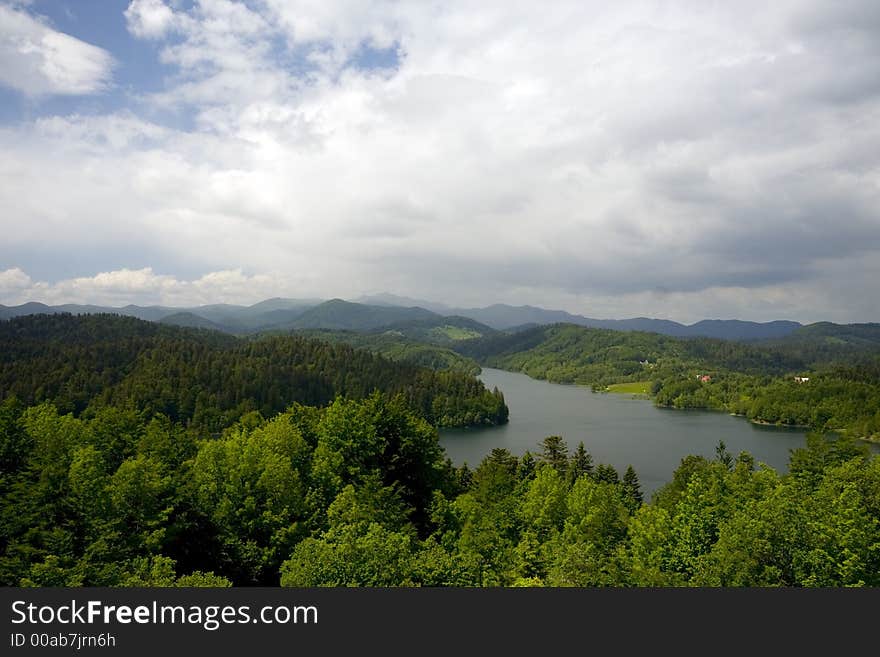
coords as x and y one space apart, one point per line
37 60
14 282
149 19
141 286
626 159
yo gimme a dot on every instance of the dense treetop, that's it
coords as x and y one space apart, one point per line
358 493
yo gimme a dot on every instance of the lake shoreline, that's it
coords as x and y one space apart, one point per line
765 423
874 440
616 429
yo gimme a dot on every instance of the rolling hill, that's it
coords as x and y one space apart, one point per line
345 315
209 379
190 320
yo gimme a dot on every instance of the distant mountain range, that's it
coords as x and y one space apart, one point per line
266 315
385 299
501 316
387 310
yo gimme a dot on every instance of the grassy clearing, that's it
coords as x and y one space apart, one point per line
454 332
636 388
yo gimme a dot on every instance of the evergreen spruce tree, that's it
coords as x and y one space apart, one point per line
526 469
632 488
581 463
554 452
607 473
465 477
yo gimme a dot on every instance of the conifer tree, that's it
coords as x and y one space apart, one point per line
581 463
631 486
554 452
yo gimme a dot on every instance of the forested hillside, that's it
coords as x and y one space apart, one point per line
422 342
444 331
824 340
395 346
344 315
208 379
564 353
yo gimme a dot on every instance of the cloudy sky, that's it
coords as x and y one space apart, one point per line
670 159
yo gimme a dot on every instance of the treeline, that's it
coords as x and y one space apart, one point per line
757 380
565 353
209 380
358 493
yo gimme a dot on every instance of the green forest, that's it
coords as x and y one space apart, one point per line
139 454
208 380
358 493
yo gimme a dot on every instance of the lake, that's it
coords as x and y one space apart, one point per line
615 428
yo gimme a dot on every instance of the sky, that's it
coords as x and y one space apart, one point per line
681 160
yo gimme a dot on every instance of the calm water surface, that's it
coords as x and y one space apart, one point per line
615 428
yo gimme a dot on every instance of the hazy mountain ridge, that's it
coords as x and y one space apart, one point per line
387 299
346 315
505 317
229 318
388 311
